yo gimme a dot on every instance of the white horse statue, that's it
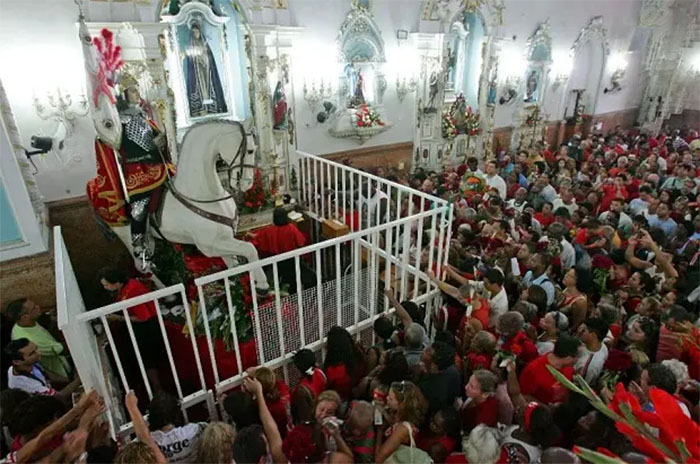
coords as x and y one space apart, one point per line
196 208
197 183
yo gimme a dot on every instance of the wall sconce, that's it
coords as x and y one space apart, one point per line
619 65
316 95
404 87
615 78
401 36
60 108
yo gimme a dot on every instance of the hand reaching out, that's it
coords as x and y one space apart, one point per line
252 385
131 400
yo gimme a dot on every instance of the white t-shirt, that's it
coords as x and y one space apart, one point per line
558 203
498 305
34 383
568 255
179 444
498 183
590 363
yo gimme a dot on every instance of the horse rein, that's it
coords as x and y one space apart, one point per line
242 150
188 202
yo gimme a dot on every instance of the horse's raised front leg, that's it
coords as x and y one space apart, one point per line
232 247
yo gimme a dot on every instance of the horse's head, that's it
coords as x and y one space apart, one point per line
238 151
103 109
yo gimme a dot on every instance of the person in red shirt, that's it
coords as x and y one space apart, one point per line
313 378
282 236
441 438
343 364
143 318
545 216
277 397
513 338
610 192
536 380
481 406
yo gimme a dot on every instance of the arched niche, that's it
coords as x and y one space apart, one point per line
223 33
463 51
539 61
361 52
589 53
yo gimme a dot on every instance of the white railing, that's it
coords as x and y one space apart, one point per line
335 191
389 254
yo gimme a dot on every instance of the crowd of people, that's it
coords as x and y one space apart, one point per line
581 260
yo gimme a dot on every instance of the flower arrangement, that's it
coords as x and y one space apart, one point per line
472 123
367 117
674 440
449 126
176 263
256 197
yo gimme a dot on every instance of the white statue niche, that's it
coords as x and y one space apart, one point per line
529 115
362 83
463 57
539 58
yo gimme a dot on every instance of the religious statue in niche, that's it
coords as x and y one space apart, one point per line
531 86
290 127
358 97
493 84
434 89
205 95
279 108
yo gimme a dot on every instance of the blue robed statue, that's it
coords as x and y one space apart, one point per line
205 94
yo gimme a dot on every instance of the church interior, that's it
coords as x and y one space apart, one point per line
304 231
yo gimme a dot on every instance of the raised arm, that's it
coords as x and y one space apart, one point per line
401 312
33 446
661 258
444 287
141 427
633 260
272 433
516 397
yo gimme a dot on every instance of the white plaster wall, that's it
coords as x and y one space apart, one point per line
567 18
26 41
41 52
314 59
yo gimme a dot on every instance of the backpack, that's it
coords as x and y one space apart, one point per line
409 454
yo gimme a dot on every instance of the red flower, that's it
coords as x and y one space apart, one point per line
249 204
668 417
618 360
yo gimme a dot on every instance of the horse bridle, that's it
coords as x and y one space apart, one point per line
189 202
240 155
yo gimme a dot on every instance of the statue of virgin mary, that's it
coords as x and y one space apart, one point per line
205 94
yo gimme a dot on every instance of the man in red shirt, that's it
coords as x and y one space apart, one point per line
616 190
536 380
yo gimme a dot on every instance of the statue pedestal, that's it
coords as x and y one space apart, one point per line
345 126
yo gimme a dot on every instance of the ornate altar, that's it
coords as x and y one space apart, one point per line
362 84
458 51
529 119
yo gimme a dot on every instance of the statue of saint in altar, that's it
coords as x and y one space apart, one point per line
205 95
